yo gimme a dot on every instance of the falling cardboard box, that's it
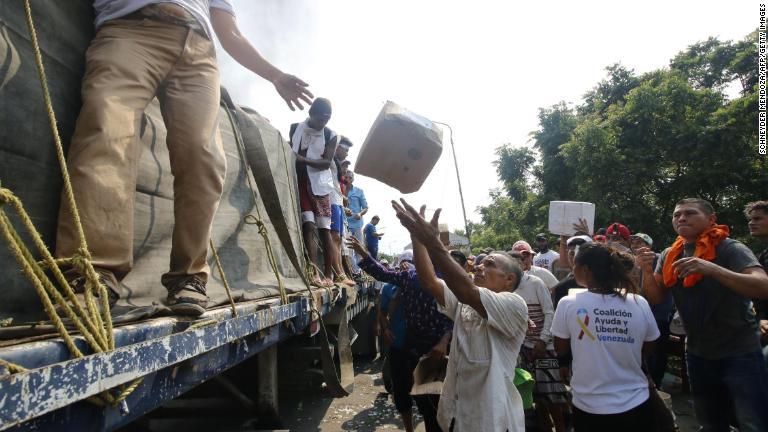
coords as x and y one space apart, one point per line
401 149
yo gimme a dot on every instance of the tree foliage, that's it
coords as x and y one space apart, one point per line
636 145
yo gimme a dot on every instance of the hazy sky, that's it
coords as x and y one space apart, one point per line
484 67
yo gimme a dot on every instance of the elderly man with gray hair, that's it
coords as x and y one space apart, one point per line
490 323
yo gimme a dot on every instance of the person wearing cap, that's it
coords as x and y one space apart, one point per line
713 279
315 146
617 233
526 253
662 312
638 240
546 257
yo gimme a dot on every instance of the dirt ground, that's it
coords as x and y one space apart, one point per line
369 408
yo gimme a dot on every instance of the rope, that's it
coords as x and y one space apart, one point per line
201 324
223 278
250 219
94 325
12 367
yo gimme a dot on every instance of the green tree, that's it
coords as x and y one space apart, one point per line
706 64
638 144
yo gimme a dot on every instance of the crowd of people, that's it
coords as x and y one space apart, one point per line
595 342
332 207
580 322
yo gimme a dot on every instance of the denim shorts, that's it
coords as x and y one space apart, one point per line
337 219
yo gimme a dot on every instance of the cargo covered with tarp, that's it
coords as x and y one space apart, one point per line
29 168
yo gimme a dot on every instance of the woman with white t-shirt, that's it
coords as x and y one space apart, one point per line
608 329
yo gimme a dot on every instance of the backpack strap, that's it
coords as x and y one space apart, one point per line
291 132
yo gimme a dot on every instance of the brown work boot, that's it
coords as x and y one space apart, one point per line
187 296
106 278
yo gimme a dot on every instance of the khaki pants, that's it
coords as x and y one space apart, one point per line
129 62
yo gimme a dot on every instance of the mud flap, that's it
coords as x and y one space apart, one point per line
344 382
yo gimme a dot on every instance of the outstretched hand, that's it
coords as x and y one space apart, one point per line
426 232
293 91
355 244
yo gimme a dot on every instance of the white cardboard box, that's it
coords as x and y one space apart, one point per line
563 214
401 149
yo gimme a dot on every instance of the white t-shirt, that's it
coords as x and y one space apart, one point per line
336 197
545 275
304 137
479 390
200 9
607 335
546 259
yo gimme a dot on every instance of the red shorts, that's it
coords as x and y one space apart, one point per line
314 208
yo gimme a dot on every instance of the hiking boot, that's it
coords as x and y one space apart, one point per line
187 296
106 278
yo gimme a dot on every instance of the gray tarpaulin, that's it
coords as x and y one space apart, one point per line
29 168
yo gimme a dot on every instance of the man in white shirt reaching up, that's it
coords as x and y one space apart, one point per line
490 323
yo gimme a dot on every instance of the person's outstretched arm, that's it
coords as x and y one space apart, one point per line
374 268
292 89
428 234
426 273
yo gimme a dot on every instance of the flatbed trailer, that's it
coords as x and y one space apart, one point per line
171 354
157 357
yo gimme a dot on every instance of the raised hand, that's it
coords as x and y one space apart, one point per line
581 227
424 231
293 91
355 244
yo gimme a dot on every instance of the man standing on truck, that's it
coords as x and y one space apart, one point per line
315 145
143 49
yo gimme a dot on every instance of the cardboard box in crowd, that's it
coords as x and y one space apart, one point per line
401 149
563 214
